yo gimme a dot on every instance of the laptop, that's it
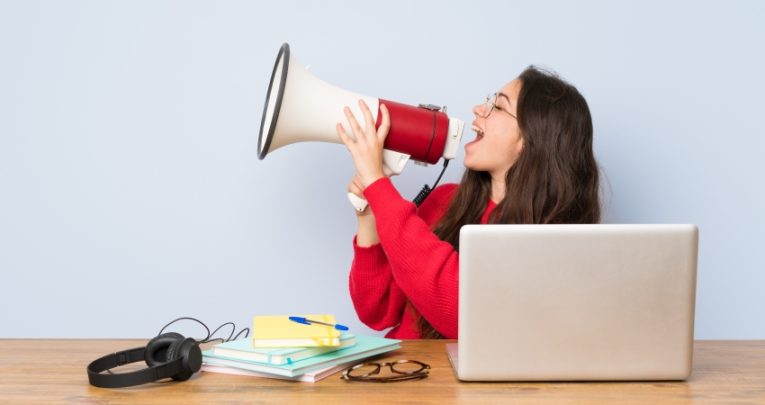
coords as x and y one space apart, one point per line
575 302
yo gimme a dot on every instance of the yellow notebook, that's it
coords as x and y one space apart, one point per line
279 331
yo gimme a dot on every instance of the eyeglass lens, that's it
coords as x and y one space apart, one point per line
403 367
408 367
365 370
491 100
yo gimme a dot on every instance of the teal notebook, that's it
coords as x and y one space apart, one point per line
242 349
366 346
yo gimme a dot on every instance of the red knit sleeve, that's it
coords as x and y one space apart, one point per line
423 266
377 299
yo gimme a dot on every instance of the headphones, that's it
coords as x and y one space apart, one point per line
168 355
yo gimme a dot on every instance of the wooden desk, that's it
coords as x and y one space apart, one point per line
53 371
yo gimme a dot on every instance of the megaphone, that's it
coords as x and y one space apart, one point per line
300 107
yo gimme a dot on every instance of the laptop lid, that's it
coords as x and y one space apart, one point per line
576 302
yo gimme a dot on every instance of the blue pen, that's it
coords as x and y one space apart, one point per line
304 321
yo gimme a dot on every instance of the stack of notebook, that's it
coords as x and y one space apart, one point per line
280 348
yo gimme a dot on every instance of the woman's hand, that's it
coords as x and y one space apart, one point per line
366 146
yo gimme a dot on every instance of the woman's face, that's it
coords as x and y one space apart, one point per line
498 141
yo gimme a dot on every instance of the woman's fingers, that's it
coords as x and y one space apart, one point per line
367 147
344 137
382 132
368 118
354 188
358 133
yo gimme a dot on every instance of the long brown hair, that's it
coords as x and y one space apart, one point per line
554 180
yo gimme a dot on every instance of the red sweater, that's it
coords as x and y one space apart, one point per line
410 272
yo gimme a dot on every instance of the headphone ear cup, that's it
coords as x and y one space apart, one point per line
187 350
157 348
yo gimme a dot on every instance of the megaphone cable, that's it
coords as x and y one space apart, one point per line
426 189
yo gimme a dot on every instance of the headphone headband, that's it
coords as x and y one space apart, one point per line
121 358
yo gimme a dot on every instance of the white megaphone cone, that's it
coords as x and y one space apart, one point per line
300 107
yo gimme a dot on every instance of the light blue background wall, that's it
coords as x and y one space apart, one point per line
130 193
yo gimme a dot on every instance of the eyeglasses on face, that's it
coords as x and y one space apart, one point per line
491 104
401 370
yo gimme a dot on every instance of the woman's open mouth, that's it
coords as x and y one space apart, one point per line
478 134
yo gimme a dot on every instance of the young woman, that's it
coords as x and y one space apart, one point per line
530 163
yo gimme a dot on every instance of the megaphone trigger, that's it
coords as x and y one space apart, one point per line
394 162
359 204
